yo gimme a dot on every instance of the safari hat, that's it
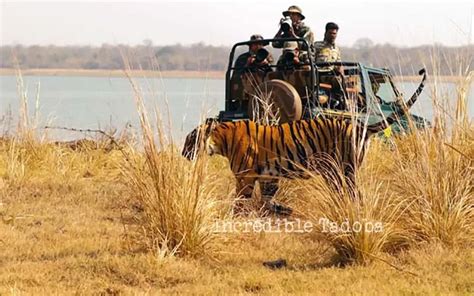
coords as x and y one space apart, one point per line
258 37
295 9
290 46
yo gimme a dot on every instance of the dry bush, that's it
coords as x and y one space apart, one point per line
179 199
359 227
419 186
435 170
179 202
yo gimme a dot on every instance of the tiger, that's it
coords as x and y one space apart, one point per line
259 152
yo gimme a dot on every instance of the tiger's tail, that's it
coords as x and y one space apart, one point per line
379 126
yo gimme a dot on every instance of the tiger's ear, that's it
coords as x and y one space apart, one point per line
189 148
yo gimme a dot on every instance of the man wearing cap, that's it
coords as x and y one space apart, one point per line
250 68
248 60
290 58
297 30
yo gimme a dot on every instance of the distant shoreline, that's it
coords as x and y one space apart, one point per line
114 73
164 74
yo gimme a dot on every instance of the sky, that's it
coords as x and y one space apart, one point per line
402 23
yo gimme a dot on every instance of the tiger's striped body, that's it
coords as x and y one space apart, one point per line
284 149
261 151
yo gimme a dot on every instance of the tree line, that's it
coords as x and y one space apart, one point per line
439 59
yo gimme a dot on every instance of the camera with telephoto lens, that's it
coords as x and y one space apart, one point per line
261 55
285 24
289 57
288 61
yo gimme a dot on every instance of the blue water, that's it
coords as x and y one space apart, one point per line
102 102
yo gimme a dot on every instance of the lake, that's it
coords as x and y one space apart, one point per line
102 102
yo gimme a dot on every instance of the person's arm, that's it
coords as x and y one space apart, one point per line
307 35
317 50
241 63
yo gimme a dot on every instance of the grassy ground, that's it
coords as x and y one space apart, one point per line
68 226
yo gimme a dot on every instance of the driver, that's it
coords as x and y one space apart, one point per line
328 51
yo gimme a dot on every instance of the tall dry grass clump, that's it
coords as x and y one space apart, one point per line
23 144
419 188
359 224
178 198
435 169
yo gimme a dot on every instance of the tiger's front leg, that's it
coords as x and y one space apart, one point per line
248 192
255 194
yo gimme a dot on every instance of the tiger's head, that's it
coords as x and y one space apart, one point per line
200 138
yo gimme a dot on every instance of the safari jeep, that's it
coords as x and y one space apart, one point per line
287 92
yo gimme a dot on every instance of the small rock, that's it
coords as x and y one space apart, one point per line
276 264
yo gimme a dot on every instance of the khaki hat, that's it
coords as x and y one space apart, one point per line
258 37
295 9
290 46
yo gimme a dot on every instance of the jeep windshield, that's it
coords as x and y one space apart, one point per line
382 87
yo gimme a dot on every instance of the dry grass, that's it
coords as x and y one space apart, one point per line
419 187
73 238
133 221
178 198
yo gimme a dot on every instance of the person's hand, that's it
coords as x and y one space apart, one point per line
296 60
250 60
291 32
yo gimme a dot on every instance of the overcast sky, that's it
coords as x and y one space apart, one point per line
405 23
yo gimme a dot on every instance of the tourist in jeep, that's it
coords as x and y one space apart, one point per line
256 59
290 58
292 26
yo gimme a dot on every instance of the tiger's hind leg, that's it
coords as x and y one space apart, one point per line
256 195
269 205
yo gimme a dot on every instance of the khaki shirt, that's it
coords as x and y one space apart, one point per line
326 52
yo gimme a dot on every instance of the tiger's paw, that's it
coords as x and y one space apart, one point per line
275 208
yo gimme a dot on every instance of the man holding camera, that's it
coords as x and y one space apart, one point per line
292 26
289 59
257 58
250 69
